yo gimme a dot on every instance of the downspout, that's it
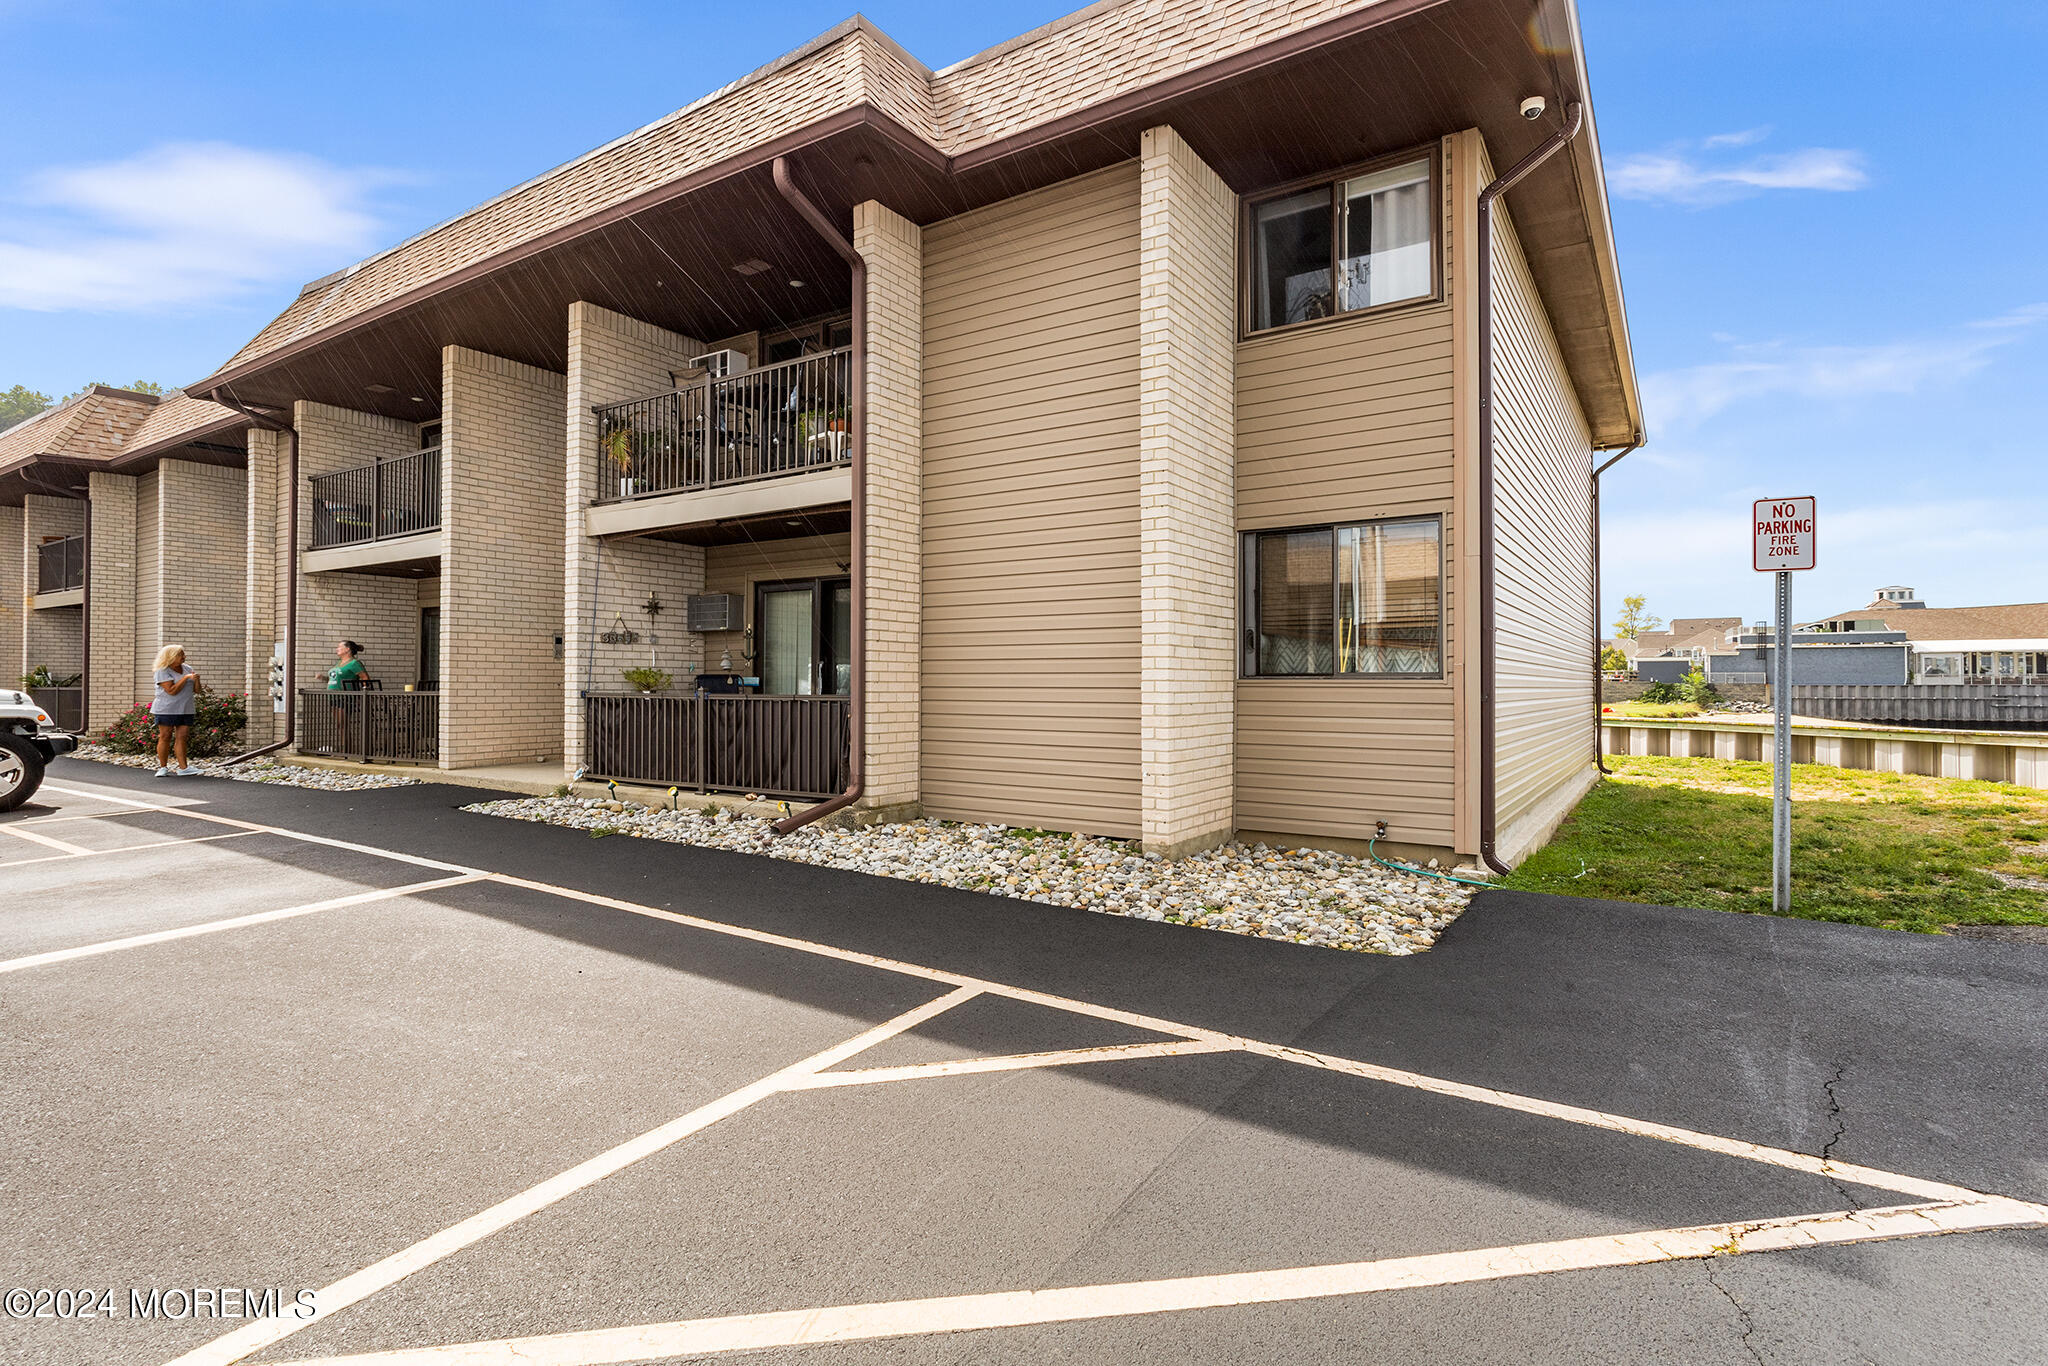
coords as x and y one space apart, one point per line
856 694
1599 758
291 560
1488 693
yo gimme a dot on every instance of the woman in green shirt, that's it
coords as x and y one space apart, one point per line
347 675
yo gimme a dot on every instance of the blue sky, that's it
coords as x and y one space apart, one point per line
1827 217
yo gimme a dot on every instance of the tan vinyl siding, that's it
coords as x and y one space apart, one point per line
1543 581
1351 420
1031 652
737 568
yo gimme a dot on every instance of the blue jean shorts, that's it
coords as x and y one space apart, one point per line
183 718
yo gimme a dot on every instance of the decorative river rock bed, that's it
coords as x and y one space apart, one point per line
257 771
1304 896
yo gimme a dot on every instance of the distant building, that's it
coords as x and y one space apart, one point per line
1988 645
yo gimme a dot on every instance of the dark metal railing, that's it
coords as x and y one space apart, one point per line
784 419
403 727
400 496
60 565
773 746
65 705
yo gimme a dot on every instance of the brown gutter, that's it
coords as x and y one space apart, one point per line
1600 759
291 560
856 694
1489 700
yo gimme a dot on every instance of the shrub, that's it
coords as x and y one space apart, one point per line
647 680
1660 692
221 717
1696 690
40 677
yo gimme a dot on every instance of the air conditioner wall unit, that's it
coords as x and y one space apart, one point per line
721 364
716 612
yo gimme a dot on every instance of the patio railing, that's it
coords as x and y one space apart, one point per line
399 496
65 705
370 726
781 420
773 746
60 565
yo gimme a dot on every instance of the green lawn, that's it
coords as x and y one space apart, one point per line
1897 851
1664 710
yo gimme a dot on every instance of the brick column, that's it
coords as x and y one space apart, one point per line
110 578
201 556
502 515
13 598
53 636
378 612
264 567
893 247
1187 337
613 358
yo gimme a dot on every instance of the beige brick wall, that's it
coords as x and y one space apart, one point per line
613 358
503 512
265 567
376 611
1187 495
893 247
111 589
198 545
149 604
13 597
54 636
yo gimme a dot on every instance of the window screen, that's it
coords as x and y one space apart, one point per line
1361 242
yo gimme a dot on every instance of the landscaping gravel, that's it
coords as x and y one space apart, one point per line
257 771
1305 896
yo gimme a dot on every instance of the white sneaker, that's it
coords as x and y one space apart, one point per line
165 771
188 771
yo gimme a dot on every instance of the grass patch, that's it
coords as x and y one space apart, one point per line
1659 710
1898 851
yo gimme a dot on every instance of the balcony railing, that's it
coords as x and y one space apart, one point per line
773 746
780 420
60 565
65 705
370 726
400 496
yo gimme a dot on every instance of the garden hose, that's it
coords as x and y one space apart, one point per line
1420 872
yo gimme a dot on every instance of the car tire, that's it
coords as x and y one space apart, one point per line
21 771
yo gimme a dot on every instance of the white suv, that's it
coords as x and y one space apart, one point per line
27 744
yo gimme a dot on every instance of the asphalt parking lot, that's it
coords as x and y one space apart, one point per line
491 1092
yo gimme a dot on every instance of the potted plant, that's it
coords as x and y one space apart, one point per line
617 444
648 681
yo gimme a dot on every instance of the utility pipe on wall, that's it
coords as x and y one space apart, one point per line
291 561
856 693
1599 759
1488 693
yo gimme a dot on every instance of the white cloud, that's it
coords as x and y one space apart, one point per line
1676 175
180 224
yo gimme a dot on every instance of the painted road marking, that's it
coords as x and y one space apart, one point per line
1009 1062
1068 1304
34 837
360 1285
129 848
137 941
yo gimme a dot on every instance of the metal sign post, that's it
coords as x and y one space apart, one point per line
1784 543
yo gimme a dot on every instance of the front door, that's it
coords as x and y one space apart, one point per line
804 637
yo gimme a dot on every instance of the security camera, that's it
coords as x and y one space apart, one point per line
1533 107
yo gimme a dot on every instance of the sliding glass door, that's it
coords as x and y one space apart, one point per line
803 640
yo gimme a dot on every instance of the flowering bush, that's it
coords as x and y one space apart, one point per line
221 717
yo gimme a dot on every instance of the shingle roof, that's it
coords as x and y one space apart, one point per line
107 424
2011 621
1686 633
1090 57
178 419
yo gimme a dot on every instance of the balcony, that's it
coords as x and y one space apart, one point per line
770 746
60 573
769 440
383 512
371 726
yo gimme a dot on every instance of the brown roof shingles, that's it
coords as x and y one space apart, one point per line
106 424
1088 58
2011 621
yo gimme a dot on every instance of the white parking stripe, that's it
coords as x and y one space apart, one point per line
35 838
1068 1304
1008 1062
130 848
371 1279
216 926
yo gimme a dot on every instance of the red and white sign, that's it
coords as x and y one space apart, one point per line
1784 534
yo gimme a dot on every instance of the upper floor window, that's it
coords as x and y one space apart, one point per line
1361 241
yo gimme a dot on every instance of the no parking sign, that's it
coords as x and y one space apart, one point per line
1784 534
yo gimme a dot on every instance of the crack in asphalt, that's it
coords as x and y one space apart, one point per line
1841 1123
1741 1311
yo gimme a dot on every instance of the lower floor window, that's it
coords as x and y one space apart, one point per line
1351 599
